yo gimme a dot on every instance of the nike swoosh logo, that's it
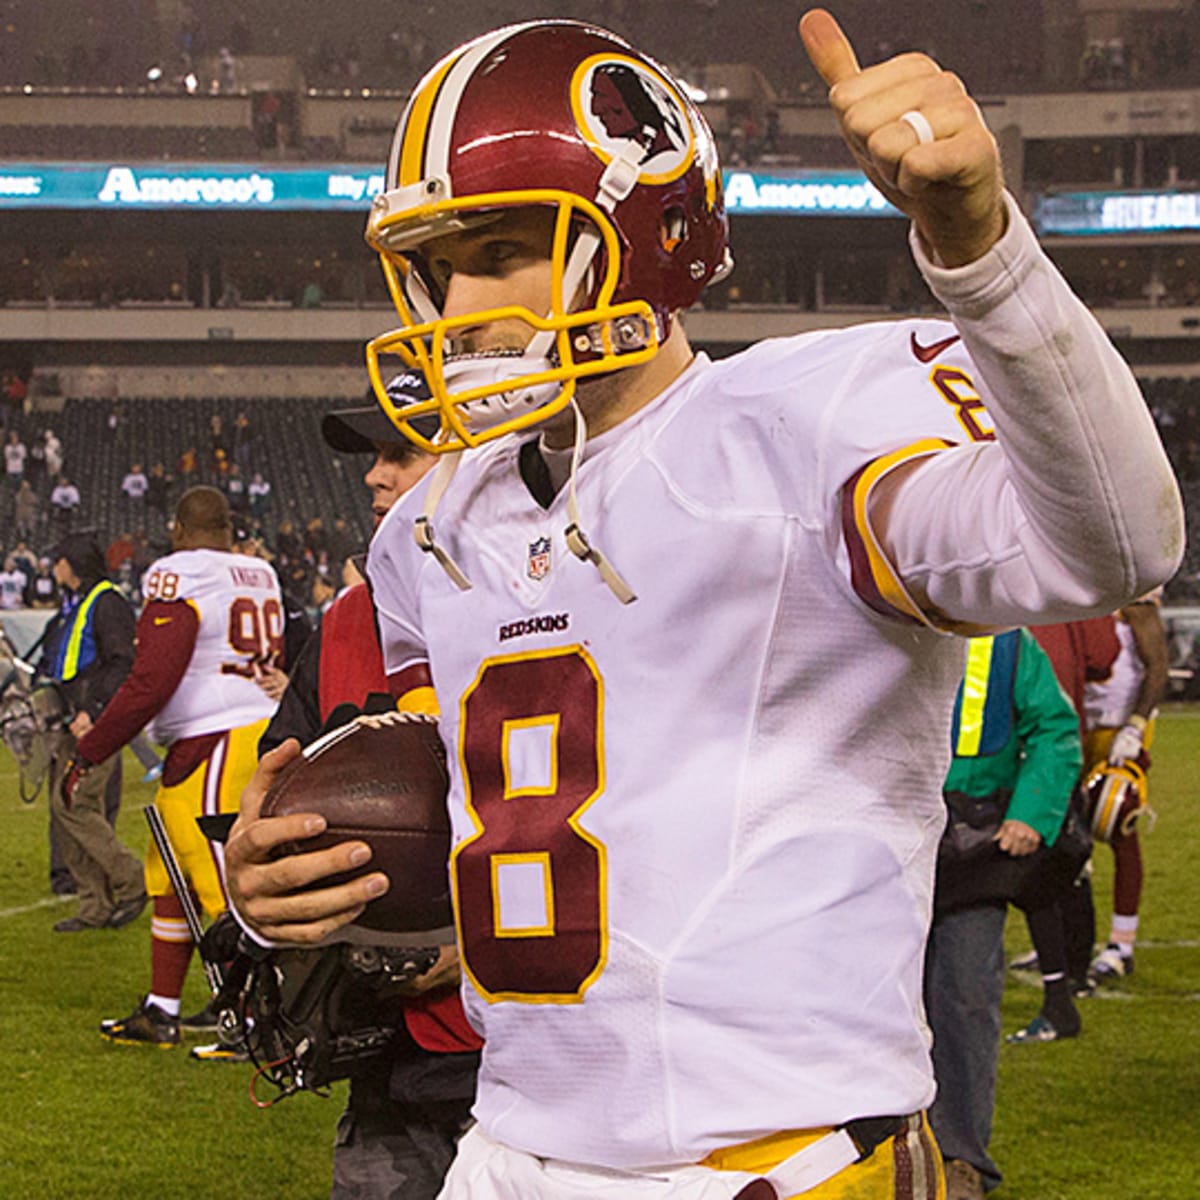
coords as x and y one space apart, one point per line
162 620
929 353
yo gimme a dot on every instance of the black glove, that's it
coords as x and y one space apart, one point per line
343 714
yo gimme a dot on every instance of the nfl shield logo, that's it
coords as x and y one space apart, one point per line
539 559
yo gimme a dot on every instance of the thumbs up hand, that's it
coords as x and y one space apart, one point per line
920 139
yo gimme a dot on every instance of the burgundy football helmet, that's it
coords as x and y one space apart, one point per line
571 117
1114 796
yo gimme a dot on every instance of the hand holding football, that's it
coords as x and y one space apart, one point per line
380 780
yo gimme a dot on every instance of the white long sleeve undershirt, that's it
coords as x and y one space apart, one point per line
1081 510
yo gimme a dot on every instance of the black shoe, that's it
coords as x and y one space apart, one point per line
124 913
1040 1029
63 885
74 925
147 1025
205 1021
1024 962
1110 965
1065 1019
219 1052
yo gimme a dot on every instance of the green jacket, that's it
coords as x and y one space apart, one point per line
1015 732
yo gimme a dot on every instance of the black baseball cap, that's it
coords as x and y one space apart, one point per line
357 430
83 554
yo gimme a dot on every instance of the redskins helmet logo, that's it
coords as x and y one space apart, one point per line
620 103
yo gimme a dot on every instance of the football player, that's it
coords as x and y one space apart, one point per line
210 617
1120 712
689 621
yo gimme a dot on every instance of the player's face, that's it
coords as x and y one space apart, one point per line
506 262
389 478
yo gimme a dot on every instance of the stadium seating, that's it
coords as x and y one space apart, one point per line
307 479
134 142
1175 403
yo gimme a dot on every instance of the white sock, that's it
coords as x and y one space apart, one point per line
169 1004
1124 934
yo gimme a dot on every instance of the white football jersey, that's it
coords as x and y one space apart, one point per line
240 609
1108 702
695 834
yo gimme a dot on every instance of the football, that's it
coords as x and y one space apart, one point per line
381 780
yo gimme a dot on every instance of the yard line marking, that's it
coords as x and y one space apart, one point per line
28 908
1109 993
1153 944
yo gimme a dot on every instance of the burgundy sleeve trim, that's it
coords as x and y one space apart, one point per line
166 637
409 678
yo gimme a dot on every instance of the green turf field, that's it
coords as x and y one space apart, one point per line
85 1118
1110 1116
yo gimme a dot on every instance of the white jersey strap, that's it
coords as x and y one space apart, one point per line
824 1158
577 540
443 473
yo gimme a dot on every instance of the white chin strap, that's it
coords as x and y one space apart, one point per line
439 481
618 180
577 541
489 369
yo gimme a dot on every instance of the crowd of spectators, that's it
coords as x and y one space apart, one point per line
42 504
27 580
39 496
197 47
1163 56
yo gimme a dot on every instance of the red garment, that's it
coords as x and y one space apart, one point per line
187 754
1079 651
350 668
351 665
120 550
169 959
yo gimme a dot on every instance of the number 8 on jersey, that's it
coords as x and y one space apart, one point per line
530 883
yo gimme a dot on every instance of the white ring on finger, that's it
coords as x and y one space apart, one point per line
920 125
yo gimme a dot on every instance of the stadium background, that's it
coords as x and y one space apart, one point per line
146 286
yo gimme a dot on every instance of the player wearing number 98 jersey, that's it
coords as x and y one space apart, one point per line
211 617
